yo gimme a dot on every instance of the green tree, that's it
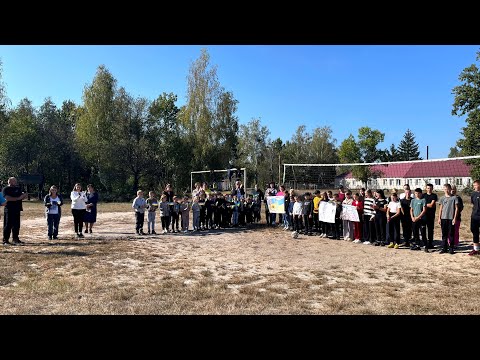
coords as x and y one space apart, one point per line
467 102
253 149
96 124
455 152
408 147
390 154
20 149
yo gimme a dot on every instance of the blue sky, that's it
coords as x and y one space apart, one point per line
389 88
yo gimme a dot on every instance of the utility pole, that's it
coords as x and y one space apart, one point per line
279 170
427 152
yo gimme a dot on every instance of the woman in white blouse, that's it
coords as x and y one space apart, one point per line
79 208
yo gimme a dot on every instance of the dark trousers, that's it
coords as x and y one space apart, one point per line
394 229
337 231
11 223
165 222
315 222
297 222
209 219
267 215
380 226
430 223
407 227
53 220
139 219
308 223
368 228
447 230
419 225
475 228
78 219
175 220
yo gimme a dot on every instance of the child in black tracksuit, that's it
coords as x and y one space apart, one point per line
337 227
164 213
175 214
209 205
307 214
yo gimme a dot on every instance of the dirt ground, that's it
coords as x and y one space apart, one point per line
255 270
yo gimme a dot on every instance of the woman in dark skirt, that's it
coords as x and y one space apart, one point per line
91 214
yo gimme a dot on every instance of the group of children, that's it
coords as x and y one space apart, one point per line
211 210
380 217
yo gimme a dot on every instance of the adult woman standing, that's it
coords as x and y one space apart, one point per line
91 212
53 202
78 208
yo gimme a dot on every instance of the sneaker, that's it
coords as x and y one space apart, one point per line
391 245
426 249
55 238
80 235
443 251
90 231
185 231
165 231
148 232
141 232
367 243
451 251
50 237
406 244
6 243
17 242
474 252
396 246
376 243
153 232
86 231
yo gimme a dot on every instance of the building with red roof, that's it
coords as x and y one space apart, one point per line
416 174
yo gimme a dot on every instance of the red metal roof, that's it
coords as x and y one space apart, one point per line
431 169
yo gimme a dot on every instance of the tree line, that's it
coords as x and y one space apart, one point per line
121 142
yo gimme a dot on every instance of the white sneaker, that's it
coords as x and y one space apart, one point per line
367 243
346 238
165 231
356 241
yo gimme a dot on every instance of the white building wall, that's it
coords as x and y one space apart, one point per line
397 183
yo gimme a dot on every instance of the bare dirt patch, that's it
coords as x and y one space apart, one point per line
256 270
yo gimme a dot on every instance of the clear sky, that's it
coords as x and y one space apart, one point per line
389 88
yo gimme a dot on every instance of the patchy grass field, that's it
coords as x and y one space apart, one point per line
249 271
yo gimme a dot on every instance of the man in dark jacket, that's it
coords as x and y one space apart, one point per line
11 220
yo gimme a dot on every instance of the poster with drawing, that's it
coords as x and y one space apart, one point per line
326 212
276 204
350 213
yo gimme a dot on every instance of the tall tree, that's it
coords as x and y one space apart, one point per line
4 101
467 102
368 140
408 147
253 149
96 124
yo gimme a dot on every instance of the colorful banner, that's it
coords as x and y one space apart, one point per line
350 213
326 211
276 204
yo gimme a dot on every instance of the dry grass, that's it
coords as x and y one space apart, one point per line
249 271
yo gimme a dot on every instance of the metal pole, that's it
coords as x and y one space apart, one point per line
245 177
427 152
279 168
284 173
191 182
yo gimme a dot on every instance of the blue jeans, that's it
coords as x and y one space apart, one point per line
53 220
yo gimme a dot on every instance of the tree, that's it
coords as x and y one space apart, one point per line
96 124
455 152
363 150
252 141
391 154
467 102
4 101
368 140
20 149
408 147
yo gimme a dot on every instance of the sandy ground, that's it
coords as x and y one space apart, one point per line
308 274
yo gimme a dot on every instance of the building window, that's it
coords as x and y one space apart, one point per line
398 182
437 181
416 181
353 182
458 181
391 182
384 181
